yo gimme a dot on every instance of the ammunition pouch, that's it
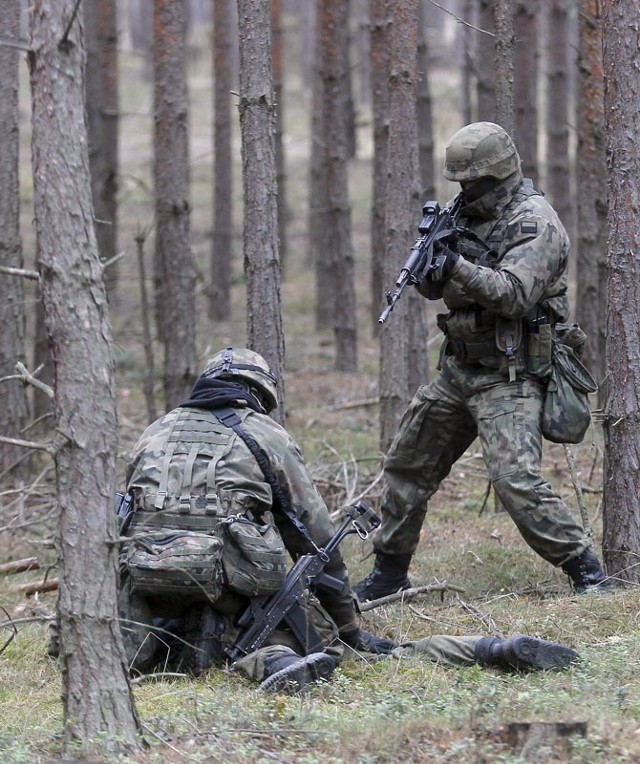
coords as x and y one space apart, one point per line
254 557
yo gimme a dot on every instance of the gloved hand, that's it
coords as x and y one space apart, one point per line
444 260
359 639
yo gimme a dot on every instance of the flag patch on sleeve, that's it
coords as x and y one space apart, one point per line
529 226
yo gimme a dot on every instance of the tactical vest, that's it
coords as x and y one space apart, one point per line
506 340
178 488
188 542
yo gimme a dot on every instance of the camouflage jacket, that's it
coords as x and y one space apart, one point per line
521 273
240 485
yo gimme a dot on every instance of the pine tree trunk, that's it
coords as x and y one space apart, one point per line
261 256
175 279
224 42
380 112
591 255
333 21
621 514
402 208
14 410
527 26
98 705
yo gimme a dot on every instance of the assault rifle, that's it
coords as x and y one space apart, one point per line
436 224
264 614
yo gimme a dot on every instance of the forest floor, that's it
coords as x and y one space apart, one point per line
388 711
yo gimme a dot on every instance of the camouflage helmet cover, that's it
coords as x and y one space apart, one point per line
244 364
480 150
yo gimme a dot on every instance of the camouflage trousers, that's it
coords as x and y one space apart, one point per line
453 651
155 643
444 418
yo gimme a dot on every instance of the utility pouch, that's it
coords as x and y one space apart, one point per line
508 341
254 557
539 350
566 414
170 562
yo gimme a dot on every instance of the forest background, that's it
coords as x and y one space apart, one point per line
490 582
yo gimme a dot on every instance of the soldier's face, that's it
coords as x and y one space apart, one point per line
474 189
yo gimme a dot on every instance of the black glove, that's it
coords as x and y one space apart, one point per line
359 639
443 261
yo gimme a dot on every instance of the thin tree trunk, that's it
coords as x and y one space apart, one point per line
591 255
485 62
621 514
278 94
333 25
317 229
14 412
527 30
402 205
101 24
175 281
224 43
380 108
98 705
559 172
504 63
261 255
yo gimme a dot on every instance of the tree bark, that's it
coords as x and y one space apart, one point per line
591 255
527 31
401 207
175 278
260 236
380 112
333 26
224 42
621 513
504 64
559 173
278 94
101 25
485 62
98 706
14 411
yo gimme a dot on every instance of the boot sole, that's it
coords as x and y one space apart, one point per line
294 677
530 653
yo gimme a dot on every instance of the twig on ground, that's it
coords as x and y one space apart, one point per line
586 523
407 595
484 618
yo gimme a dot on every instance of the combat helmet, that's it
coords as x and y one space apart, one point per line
480 150
244 364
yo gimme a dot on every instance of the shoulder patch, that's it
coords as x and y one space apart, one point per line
528 226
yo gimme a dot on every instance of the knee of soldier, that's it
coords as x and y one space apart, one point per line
520 487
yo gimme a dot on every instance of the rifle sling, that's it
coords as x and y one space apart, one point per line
229 418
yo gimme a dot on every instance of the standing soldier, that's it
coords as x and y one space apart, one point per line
505 285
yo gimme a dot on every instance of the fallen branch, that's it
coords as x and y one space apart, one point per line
38 587
407 595
19 566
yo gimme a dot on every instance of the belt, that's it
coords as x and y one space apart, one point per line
472 351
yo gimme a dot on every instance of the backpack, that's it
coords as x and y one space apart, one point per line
184 543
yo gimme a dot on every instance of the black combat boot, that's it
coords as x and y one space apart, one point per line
291 673
523 654
389 575
586 574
